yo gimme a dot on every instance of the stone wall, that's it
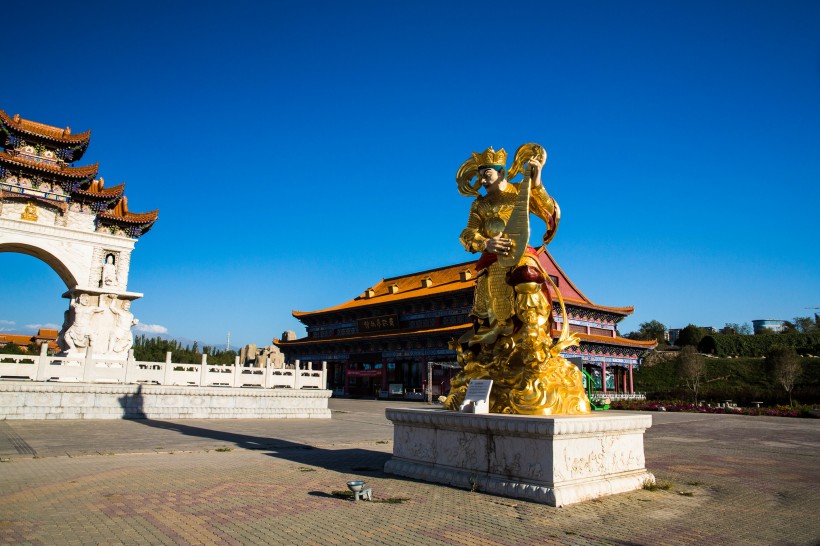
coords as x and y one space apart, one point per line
23 400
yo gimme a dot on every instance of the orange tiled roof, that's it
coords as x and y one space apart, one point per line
42 130
590 338
71 172
15 338
589 305
447 279
443 280
46 333
121 213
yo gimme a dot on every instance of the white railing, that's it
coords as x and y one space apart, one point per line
43 367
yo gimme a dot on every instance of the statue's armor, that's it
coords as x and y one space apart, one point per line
489 214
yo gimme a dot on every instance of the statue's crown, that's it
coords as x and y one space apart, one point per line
490 157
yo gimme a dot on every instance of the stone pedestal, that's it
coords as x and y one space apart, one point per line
553 460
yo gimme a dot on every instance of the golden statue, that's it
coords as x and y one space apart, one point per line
512 309
30 212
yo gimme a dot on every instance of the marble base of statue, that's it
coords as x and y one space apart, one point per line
556 460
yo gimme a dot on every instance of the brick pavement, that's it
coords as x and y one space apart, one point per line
734 480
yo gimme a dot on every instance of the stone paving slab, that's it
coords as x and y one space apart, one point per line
733 480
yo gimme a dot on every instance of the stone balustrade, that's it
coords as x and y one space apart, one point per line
92 369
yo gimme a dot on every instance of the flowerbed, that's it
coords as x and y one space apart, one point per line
778 411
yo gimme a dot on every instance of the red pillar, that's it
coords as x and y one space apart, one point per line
603 376
623 374
631 385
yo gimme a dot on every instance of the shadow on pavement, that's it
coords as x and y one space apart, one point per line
356 460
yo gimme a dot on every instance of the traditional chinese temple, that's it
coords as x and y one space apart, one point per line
37 172
399 329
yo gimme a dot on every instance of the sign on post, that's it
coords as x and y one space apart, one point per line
477 399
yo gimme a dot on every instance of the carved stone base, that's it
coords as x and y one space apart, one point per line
557 460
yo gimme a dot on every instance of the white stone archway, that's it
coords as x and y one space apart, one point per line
95 290
77 256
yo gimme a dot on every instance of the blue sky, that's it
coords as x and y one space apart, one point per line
299 152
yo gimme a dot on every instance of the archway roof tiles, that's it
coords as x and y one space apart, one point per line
121 213
34 128
102 192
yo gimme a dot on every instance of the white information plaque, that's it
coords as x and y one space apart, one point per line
477 399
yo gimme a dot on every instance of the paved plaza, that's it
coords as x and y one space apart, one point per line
732 480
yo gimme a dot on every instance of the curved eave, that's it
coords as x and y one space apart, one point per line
585 302
618 341
385 335
624 311
51 133
144 218
26 197
89 171
105 194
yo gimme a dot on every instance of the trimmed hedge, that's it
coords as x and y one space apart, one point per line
723 345
742 380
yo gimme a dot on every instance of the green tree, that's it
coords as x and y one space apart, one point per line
784 367
691 335
804 325
690 369
651 330
13 349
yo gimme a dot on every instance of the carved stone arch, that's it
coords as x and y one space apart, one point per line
55 262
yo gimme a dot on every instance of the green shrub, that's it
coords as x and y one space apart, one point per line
723 345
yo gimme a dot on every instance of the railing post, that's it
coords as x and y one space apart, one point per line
166 370
236 374
130 365
297 374
324 374
42 363
203 370
88 372
268 373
